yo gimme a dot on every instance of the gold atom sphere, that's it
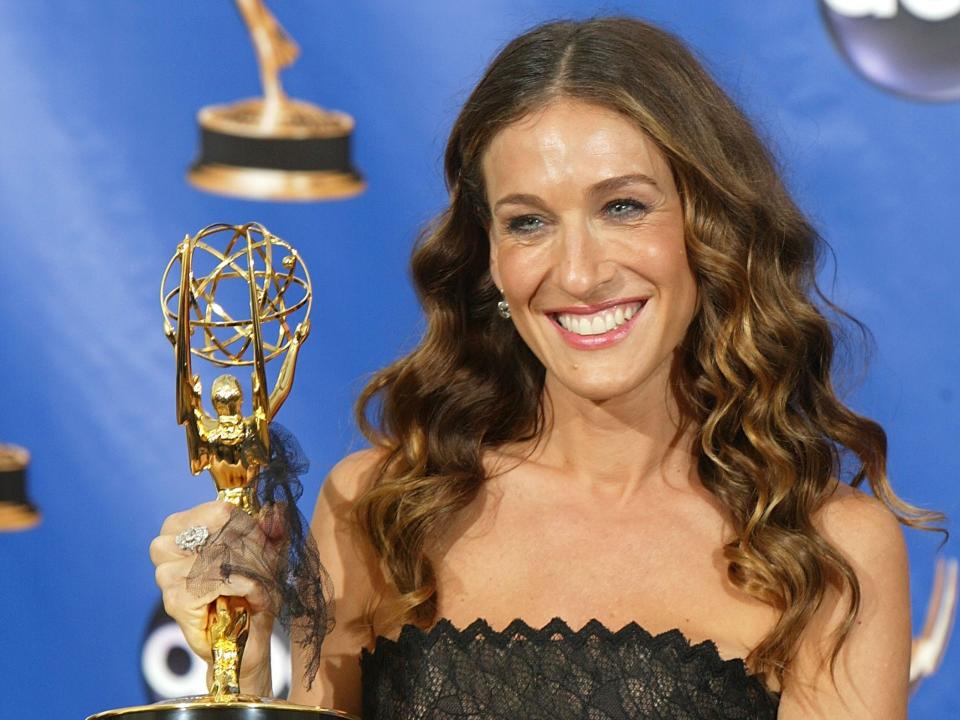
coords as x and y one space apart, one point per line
234 277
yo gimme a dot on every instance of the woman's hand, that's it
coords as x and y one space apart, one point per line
190 607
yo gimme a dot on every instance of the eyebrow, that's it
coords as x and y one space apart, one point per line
602 187
615 183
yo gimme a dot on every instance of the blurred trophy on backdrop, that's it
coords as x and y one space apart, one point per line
238 296
16 510
274 147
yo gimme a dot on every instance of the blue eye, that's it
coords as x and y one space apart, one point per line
524 224
625 209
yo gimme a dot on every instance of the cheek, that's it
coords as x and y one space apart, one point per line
684 288
681 284
661 260
676 266
667 253
521 271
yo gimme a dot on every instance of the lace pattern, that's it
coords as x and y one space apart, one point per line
556 673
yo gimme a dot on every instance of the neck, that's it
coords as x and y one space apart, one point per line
616 446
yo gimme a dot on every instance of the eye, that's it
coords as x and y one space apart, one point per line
524 224
625 209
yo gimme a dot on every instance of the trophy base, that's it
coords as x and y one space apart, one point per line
266 184
281 150
16 516
205 707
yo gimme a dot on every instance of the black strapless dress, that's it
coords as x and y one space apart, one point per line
555 673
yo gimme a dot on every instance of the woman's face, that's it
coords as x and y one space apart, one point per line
587 246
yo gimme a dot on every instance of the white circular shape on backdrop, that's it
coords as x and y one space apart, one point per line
930 10
862 8
157 673
279 665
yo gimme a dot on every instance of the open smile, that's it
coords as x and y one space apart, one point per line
596 327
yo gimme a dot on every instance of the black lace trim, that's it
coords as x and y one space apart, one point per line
555 672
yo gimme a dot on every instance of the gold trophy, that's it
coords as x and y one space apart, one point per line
267 278
274 147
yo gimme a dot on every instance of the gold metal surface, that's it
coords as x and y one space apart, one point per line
275 50
244 498
296 185
231 446
292 120
14 517
204 702
227 632
227 338
13 457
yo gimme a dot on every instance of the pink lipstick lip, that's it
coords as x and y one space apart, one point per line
603 340
591 309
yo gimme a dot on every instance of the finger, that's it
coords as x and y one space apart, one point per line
254 593
273 522
185 609
164 548
192 621
213 515
252 551
172 576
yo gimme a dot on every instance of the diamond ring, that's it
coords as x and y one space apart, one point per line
192 538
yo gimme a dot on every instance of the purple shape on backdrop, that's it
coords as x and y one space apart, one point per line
904 54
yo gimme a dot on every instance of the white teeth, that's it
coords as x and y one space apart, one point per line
600 322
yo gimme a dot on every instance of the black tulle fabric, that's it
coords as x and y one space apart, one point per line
276 550
555 673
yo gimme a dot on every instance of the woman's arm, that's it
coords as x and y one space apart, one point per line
357 583
872 669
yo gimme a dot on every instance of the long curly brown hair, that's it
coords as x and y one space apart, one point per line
752 377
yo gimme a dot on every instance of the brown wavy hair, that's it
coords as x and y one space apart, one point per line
752 377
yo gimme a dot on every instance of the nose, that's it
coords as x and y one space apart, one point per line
582 264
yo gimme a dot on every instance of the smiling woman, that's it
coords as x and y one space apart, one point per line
607 481
590 255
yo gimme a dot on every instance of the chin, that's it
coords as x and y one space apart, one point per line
598 390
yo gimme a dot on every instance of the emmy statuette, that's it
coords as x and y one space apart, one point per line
274 147
232 446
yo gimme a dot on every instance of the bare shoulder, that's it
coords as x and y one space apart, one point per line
870 677
352 476
863 529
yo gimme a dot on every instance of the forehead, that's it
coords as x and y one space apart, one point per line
570 141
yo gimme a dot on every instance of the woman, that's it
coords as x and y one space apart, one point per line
620 417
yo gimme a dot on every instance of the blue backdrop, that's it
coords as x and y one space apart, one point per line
96 130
